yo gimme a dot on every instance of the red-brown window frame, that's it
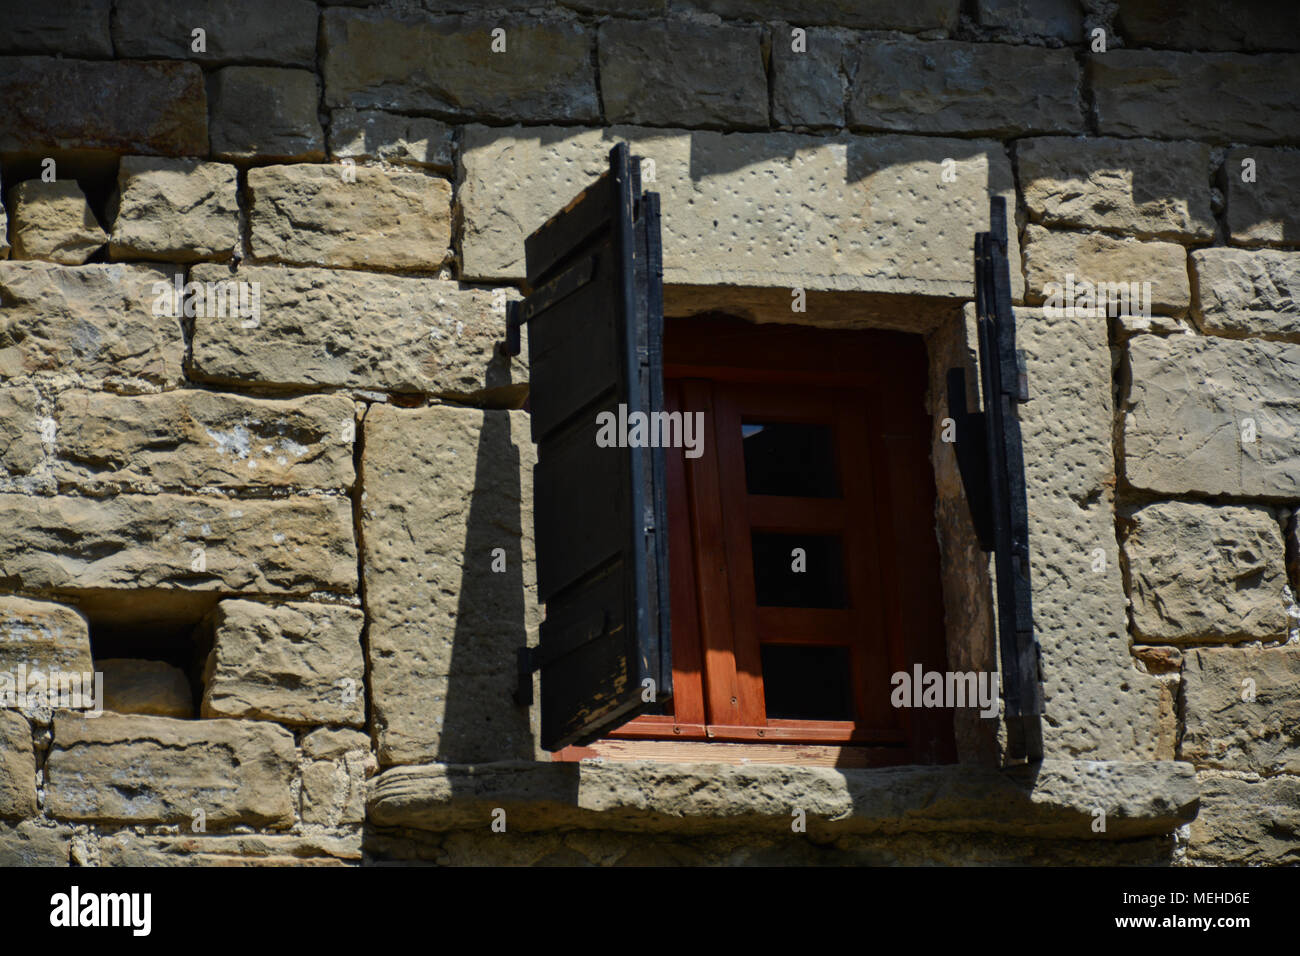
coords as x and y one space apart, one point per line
729 369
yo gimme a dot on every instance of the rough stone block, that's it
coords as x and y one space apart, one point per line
128 848
178 209
94 321
334 794
918 17
1243 708
1201 572
1213 97
281 33
1208 25
41 636
295 663
133 686
134 769
266 113
413 63
682 74
355 329
53 221
1240 292
1140 187
1051 257
169 542
32 843
134 106
1246 821
809 87
328 743
950 87
17 767
840 213
1265 210
1060 19
193 439
1193 404
21 445
385 219
70 28
445 487
410 140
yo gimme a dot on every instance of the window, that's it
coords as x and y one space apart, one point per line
803 559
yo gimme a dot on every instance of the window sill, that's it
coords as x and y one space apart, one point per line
1055 799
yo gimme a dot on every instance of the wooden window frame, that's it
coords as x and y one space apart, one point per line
731 370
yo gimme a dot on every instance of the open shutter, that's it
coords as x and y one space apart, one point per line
595 326
992 464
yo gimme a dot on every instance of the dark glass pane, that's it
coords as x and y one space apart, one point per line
802 682
789 459
784 577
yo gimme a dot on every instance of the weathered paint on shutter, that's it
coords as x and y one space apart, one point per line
595 326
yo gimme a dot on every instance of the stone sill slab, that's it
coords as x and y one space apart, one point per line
1055 799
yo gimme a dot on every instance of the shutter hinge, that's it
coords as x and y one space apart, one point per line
522 310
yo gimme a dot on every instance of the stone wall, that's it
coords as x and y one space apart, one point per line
270 522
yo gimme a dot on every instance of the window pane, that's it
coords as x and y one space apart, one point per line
789 459
798 570
801 682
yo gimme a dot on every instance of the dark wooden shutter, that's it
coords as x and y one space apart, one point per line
595 327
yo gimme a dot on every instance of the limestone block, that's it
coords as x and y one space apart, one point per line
194 439
53 221
386 219
445 487
951 87
1206 25
1051 257
128 848
267 113
296 663
1265 210
178 209
281 33
130 106
1240 292
1243 708
1061 19
1140 187
71 28
1205 572
133 686
321 327
169 542
334 793
1246 821
327 743
682 74
95 321
21 444
916 17
374 134
33 843
381 59
41 636
135 769
17 767
1212 97
809 86
847 213
1194 405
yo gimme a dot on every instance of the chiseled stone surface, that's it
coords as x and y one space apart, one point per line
1243 708
70 28
857 213
1140 187
1051 256
1054 799
682 74
266 113
1242 292
290 546
195 439
127 848
1265 210
326 328
1212 97
1202 572
17 767
374 134
1208 25
1100 705
334 793
311 215
296 663
281 33
445 487
136 686
809 86
52 221
1193 401
1246 820
41 636
381 59
21 443
326 743
177 209
131 106
95 321
33 843
136 769
951 87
